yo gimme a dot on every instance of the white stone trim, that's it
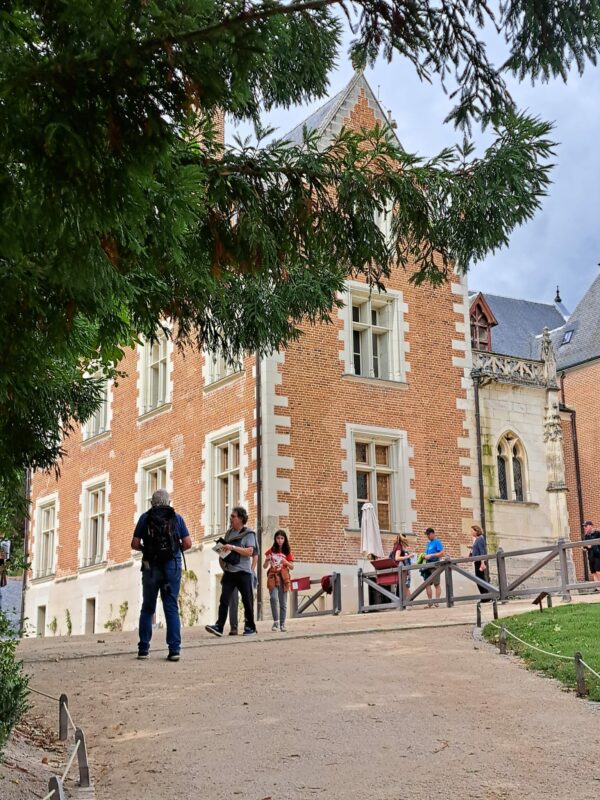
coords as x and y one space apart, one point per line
207 497
144 464
102 479
41 503
272 461
403 516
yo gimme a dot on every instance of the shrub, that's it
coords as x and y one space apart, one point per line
13 682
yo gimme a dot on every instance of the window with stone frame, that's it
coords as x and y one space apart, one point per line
98 422
511 469
45 540
219 366
154 477
481 338
94 525
225 481
374 341
155 365
376 477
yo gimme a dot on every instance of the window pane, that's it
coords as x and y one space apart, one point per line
382 454
224 452
236 454
383 516
362 453
518 478
375 345
362 486
383 488
502 485
355 314
357 352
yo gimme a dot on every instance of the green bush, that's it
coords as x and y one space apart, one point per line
13 682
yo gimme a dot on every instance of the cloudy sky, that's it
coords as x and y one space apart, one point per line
561 245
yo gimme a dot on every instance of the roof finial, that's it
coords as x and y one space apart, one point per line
558 298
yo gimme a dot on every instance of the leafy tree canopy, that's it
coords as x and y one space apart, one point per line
120 208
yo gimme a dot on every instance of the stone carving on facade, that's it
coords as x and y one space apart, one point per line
553 439
548 359
509 369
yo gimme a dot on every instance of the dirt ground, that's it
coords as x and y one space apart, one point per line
409 714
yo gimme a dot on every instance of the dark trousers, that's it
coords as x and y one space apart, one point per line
242 581
480 573
233 610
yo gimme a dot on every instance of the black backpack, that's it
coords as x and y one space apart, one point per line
161 542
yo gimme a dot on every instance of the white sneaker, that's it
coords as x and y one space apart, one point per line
282 628
275 626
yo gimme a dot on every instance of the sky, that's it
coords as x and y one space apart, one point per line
561 244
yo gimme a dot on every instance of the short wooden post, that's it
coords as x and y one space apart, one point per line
337 593
549 598
495 608
580 676
502 581
479 614
82 759
55 785
63 719
361 592
502 640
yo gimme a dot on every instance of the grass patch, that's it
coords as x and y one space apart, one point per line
564 631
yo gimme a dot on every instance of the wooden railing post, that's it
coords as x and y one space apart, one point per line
63 719
479 613
337 593
564 570
580 676
502 582
361 593
449 584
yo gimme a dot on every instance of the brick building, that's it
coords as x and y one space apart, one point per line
377 406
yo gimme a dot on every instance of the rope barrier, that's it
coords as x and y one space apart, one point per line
48 796
533 646
71 759
593 671
70 717
43 694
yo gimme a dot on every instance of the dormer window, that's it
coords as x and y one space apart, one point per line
482 321
567 336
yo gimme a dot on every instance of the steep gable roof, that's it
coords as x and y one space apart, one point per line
519 322
328 120
584 324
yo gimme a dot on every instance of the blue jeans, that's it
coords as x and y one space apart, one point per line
166 580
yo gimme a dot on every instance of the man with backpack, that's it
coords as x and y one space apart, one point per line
161 535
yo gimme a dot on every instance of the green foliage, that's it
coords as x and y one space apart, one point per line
120 209
565 631
13 683
53 626
68 621
116 624
189 610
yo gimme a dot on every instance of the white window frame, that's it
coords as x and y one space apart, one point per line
506 442
213 524
155 367
395 327
145 467
401 495
89 488
216 367
100 422
42 567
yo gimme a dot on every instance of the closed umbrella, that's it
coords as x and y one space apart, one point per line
370 536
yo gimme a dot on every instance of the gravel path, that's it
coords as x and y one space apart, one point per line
412 714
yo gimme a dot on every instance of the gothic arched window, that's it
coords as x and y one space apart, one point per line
511 467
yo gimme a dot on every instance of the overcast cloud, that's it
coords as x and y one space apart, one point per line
561 245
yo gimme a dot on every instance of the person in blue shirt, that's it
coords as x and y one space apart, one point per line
433 552
161 535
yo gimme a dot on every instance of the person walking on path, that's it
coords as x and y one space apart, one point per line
593 550
279 562
479 548
161 535
238 547
234 603
433 552
401 555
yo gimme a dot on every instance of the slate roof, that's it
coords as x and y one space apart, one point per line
519 322
318 119
584 323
